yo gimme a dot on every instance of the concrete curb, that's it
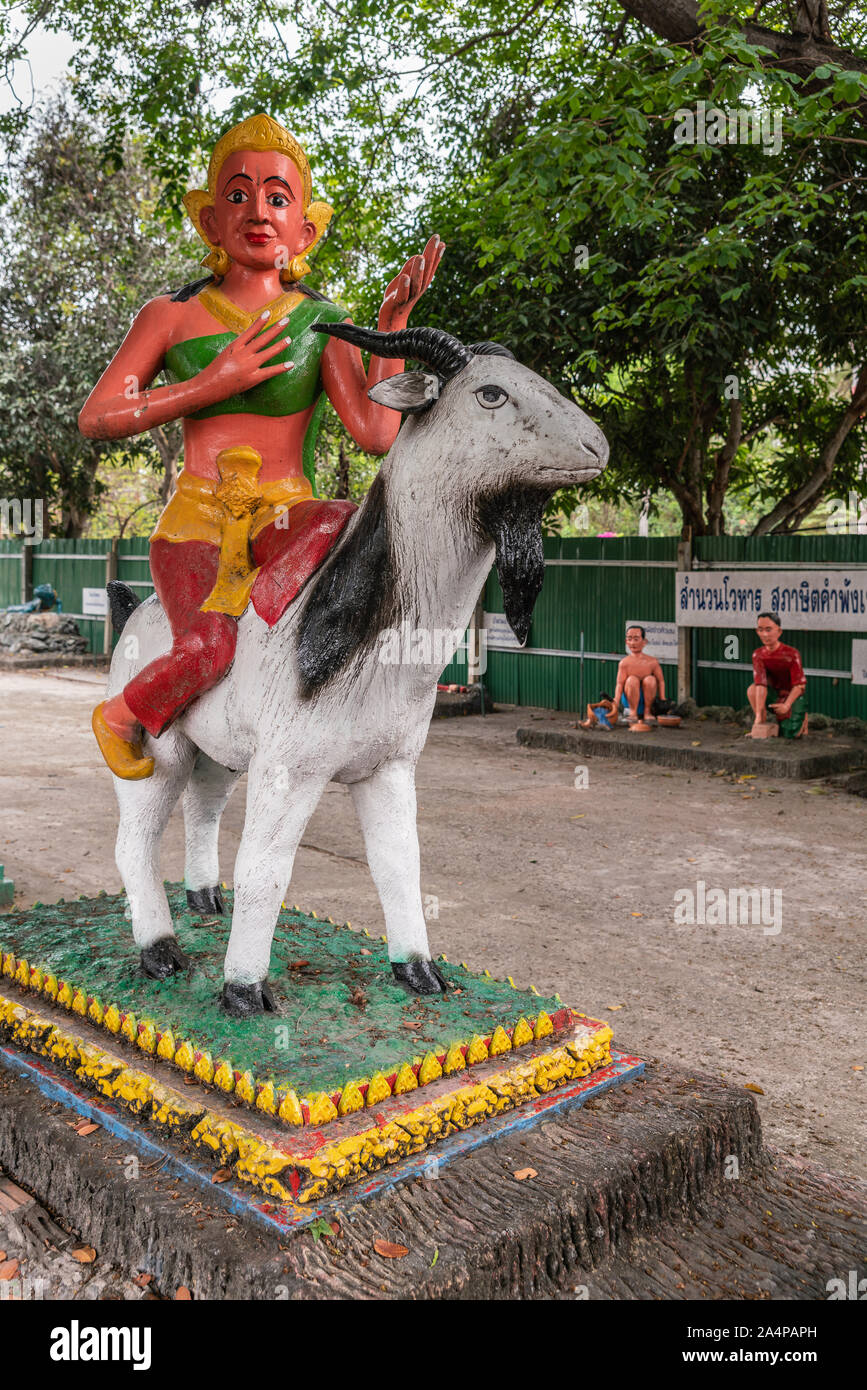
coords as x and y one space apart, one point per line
773 757
35 661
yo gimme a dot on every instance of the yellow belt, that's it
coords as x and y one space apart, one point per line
229 514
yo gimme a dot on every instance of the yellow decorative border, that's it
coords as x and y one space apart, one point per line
319 1107
337 1163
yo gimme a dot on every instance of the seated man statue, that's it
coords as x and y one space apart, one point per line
778 684
245 524
639 680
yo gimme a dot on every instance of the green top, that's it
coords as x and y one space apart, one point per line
286 394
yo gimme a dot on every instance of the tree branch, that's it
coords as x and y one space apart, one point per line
677 21
801 501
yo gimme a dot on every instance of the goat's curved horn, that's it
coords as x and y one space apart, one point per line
489 349
431 346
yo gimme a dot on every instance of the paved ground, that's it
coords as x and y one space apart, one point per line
570 887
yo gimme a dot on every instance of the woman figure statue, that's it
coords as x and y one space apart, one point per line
248 376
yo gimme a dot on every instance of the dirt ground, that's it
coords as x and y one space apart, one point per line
569 887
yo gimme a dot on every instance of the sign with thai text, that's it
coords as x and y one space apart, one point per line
804 599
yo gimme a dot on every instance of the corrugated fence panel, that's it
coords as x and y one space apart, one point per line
71 566
10 572
594 598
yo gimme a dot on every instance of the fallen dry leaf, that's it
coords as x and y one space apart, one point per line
751 1086
183 1294
298 964
141 1281
636 914
83 1130
389 1250
857 1068
222 1175
335 1226
365 952
523 1173
85 1254
8 1269
611 1007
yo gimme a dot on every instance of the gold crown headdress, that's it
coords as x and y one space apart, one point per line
257 133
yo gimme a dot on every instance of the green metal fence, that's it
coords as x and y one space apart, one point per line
592 587
73 567
596 586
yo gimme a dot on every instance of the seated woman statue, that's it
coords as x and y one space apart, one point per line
248 377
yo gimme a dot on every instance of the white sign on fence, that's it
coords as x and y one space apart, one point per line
859 661
94 603
805 599
661 639
498 632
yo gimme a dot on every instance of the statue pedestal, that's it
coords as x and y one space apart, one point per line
352 1077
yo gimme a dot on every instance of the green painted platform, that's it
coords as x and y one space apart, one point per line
341 1015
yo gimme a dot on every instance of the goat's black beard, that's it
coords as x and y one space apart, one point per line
511 519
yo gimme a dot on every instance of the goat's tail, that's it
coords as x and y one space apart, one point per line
122 602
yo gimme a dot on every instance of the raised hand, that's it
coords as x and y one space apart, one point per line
407 288
246 361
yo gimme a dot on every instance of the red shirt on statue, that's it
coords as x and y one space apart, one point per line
780 668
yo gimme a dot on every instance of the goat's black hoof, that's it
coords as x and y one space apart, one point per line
206 902
164 959
245 1001
419 976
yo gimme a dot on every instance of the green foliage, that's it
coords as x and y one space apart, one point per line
713 326
657 282
86 247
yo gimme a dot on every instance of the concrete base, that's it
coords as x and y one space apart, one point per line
709 747
606 1174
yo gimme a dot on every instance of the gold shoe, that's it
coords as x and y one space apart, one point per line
124 757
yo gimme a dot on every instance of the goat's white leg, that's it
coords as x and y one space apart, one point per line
274 824
386 807
145 808
208 790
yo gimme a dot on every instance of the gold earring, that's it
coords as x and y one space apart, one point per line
295 270
218 261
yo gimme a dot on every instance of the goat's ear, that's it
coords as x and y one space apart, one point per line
408 392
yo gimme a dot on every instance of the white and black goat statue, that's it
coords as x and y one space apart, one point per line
485 444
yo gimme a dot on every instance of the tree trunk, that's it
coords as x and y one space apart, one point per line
170 453
791 509
342 472
716 492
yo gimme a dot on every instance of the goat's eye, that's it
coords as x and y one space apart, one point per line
491 397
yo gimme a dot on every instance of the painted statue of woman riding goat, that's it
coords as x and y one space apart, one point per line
260 650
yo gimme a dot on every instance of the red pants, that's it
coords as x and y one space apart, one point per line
204 643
